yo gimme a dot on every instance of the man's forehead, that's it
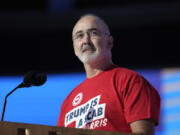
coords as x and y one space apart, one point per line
87 23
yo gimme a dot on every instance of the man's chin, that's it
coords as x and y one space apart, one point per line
88 57
87 60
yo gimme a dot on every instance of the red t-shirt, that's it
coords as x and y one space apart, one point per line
110 101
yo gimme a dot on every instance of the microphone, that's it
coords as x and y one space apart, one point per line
32 78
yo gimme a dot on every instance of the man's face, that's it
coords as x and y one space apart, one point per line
90 41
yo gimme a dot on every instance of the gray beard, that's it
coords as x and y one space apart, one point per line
94 58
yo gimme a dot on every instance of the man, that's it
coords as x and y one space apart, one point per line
110 98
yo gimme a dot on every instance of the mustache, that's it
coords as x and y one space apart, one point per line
88 46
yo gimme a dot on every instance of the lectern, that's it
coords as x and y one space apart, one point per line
12 128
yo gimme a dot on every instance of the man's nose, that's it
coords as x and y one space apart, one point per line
87 37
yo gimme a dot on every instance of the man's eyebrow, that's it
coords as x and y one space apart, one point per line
80 31
90 29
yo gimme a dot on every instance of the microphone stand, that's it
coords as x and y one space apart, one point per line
5 100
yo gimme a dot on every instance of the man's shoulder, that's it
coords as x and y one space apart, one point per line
126 74
125 71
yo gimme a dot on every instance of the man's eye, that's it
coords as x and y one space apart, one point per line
79 36
94 33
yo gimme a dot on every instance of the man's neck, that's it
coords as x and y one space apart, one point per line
93 70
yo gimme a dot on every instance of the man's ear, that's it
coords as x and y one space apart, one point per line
110 42
74 49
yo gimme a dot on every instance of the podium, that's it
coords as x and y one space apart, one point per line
12 128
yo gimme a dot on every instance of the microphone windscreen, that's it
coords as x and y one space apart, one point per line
34 78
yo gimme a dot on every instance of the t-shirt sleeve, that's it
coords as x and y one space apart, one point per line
140 99
61 117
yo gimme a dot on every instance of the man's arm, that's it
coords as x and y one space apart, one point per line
143 127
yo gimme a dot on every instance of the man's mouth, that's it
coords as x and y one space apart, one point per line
88 48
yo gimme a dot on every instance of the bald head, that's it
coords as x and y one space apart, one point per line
97 19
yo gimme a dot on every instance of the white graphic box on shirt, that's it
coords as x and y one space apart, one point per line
86 113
